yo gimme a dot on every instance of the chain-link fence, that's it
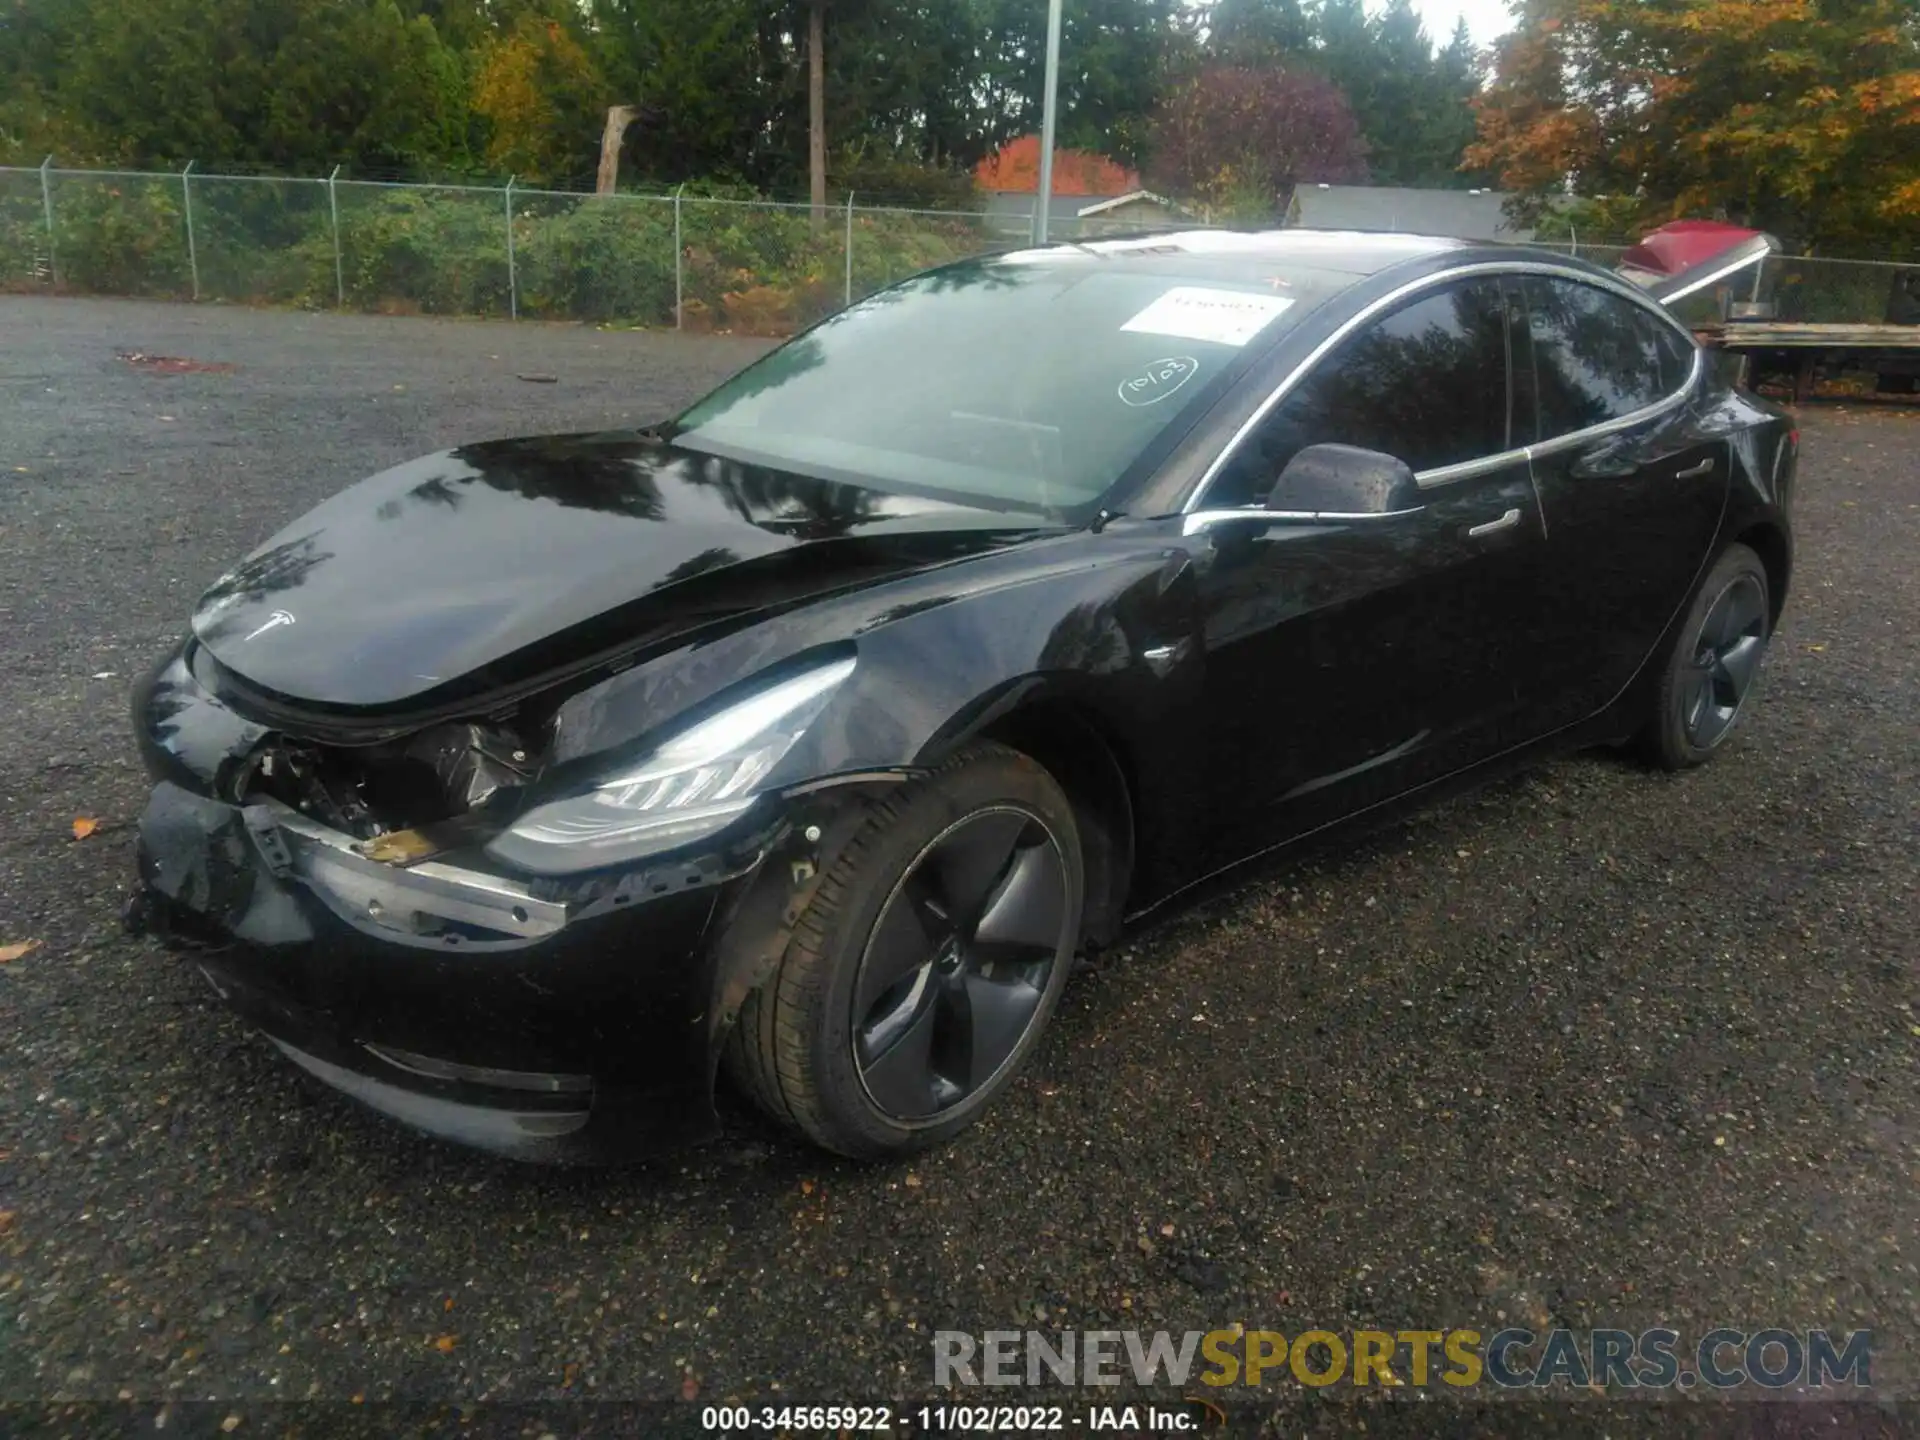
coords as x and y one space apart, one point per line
748 266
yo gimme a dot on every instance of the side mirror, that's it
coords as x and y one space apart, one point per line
1345 480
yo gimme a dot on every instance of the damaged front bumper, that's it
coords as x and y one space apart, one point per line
533 1019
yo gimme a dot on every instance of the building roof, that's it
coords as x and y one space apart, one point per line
1020 202
1461 214
1131 197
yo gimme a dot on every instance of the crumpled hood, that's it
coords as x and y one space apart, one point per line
491 565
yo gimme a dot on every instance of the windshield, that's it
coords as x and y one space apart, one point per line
1029 382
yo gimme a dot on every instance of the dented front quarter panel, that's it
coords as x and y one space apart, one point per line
1104 622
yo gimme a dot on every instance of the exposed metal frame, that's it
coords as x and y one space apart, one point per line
368 892
1466 469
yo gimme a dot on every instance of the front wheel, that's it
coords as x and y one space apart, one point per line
1714 663
918 980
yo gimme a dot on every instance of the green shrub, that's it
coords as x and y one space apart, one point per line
587 259
264 242
23 233
120 235
434 252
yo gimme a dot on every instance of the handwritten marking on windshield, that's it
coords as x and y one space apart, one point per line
1159 380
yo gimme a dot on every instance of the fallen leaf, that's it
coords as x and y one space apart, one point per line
913 1181
449 1304
230 1424
83 827
6 1221
10 953
173 365
806 1187
690 1386
445 1344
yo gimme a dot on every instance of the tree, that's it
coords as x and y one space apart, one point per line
696 72
1015 166
1108 89
295 84
388 96
1258 32
1421 118
1418 117
1797 116
817 107
542 98
1411 105
1239 139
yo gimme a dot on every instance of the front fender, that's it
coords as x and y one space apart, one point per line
1105 622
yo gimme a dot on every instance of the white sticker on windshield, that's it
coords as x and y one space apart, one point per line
1196 312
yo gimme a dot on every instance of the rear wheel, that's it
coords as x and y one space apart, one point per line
919 978
1714 664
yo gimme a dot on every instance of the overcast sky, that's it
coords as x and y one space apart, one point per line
1486 19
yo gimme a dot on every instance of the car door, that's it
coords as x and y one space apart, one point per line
1348 660
1632 475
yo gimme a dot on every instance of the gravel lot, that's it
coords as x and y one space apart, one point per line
1596 1047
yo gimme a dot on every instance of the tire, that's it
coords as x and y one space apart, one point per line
831 1044
1714 665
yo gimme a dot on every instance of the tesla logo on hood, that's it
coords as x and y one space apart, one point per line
274 622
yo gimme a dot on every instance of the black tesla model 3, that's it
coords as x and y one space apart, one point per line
520 790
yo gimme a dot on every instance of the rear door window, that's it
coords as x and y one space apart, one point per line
1676 353
1597 356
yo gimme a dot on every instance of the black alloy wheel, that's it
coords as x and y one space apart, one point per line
959 962
1714 663
922 972
1726 657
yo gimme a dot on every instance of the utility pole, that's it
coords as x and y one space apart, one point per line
1044 199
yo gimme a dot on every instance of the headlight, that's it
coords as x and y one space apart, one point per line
691 786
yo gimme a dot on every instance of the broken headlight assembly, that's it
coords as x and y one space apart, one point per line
693 784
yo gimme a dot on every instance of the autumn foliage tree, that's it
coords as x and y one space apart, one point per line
539 93
1237 138
1797 116
1015 166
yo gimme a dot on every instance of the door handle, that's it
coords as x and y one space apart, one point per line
1505 522
1694 472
